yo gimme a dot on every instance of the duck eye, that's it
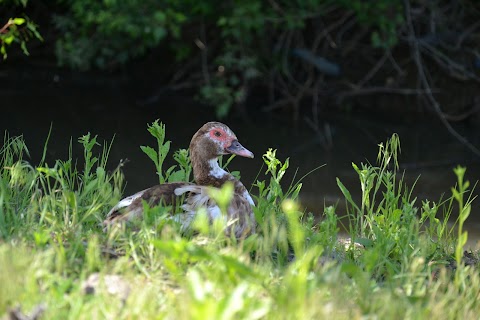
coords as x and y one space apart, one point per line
217 133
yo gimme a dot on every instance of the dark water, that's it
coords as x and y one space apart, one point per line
77 103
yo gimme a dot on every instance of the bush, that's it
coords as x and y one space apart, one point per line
105 34
246 42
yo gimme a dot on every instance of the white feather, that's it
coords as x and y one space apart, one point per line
214 213
189 188
215 169
197 199
125 202
185 219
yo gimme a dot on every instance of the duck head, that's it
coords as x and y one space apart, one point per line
212 140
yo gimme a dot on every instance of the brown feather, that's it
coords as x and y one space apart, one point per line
159 194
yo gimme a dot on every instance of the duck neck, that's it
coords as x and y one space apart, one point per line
210 173
216 171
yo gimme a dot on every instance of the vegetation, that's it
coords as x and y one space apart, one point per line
302 52
235 39
405 261
17 30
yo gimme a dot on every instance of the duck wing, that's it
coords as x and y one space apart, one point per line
132 207
239 216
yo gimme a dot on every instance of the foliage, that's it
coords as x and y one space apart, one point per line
385 17
18 30
464 208
108 33
303 52
293 266
54 196
158 156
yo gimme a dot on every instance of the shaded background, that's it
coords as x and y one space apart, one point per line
323 82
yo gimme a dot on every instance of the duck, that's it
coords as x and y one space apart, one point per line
211 141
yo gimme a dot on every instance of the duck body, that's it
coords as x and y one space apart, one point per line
211 141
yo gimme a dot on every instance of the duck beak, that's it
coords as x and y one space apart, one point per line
239 150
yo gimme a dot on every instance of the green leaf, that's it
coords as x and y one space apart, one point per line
351 269
23 45
222 21
355 167
100 172
41 238
455 193
150 152
165 149
177 176
3 51
8 40
367 243
33 28
347 194
222 196
463 239
160 17
19 21
169 171
460 171
465 213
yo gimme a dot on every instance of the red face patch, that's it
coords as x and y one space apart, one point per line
218 134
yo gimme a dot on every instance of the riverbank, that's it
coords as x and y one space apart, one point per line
405 260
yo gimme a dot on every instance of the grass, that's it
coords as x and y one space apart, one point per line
410 263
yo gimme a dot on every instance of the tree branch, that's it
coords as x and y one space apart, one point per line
414 46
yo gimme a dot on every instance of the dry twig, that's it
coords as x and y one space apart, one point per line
414 46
